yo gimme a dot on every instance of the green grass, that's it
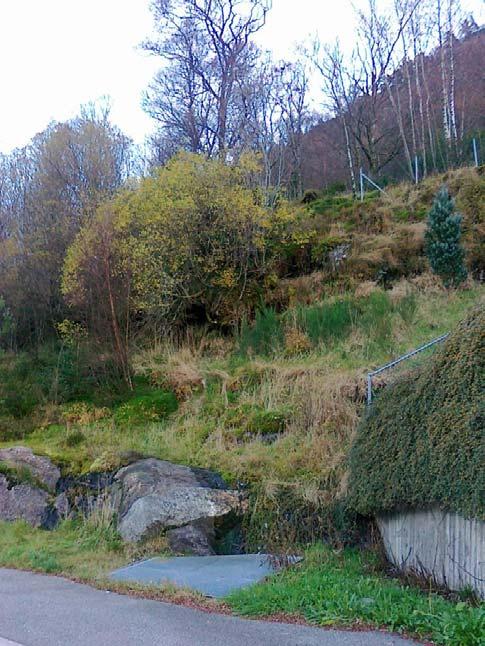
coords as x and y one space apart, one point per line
151 407
87 551
346 588
264 336
77 549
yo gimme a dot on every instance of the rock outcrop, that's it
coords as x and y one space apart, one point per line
193 507
155 495
40 468
196 538
24 502
27 487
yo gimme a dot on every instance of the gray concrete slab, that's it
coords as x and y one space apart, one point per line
214 576
38 610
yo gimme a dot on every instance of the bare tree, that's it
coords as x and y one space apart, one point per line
262 110
207 49
330 64
295 120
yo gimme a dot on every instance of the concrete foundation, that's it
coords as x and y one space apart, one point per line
444 545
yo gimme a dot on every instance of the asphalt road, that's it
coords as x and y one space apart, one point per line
38 610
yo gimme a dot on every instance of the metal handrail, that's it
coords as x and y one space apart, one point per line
395 362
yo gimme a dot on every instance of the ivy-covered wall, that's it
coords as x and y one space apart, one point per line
422 442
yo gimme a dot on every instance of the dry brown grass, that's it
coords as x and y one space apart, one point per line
296 341
365 288
172 368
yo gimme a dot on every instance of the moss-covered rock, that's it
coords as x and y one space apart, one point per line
423 440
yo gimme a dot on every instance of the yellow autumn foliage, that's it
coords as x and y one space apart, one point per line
194 236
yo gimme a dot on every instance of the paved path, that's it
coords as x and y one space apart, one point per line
38 610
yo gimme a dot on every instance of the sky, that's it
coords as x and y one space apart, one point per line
58 54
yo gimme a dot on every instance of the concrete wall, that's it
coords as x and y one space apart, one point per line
446 545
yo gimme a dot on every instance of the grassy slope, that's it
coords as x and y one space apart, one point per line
383 237
281 423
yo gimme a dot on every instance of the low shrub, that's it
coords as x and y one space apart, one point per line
296 341
141 409
309 196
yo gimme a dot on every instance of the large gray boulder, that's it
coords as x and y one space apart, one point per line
24 502
154 496
41 468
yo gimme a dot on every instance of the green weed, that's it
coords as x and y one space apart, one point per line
265 337
141 409
345 588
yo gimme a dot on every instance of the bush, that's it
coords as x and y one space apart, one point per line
194 239
335 187
296 342
309 196
145 408
421 441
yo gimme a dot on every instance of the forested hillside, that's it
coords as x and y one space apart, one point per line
402 121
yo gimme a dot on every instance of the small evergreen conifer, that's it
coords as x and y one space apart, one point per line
443 248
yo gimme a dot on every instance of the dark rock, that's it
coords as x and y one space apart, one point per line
94 483
84 491
195 538
40 467
62 505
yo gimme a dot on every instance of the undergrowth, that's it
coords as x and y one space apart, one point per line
421 442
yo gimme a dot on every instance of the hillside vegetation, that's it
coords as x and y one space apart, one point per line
259 375
337 242
275 409
254 367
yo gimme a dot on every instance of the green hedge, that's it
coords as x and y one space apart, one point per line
422 442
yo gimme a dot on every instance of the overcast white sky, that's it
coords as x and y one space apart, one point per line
57 54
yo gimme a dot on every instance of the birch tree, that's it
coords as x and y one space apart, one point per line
329 62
